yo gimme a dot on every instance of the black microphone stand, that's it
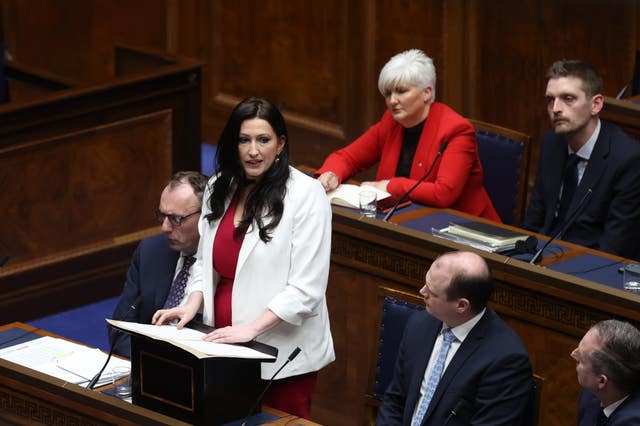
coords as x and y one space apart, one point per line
294 354
132 309
406 194
536 257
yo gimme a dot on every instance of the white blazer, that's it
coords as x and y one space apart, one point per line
287 275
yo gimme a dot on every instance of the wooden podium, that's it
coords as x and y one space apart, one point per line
211 391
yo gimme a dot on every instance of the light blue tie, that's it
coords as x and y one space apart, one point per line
434 377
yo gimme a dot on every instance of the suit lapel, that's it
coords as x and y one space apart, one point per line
464 352
595 168
417 375
426 150
251 238
165 277
556 160
391 152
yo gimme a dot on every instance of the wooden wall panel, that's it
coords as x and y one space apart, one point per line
322 58
286 54
78 169
294 56
75 38
515 43
406 25
70 184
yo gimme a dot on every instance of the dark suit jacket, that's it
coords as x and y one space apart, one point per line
627 414
147 285
488 381
610 220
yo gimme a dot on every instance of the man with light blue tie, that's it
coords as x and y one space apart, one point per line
458 363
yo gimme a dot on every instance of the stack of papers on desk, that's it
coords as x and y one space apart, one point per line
63 359
483 236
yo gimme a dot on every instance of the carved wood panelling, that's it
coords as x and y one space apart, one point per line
28 409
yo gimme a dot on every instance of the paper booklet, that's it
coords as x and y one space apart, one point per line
481 235
190 339
347 195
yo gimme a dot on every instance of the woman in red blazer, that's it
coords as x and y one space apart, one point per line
407 139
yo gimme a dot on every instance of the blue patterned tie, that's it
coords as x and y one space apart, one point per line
434 377
179 284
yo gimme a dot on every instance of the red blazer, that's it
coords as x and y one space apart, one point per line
456 180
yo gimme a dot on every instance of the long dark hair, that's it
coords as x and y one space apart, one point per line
265 199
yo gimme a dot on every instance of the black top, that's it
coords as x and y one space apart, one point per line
409 145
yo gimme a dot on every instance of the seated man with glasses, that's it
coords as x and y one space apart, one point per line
161 265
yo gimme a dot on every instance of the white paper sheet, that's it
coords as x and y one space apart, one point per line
68 361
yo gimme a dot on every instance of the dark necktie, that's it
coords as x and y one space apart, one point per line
569 185
179 283
602 418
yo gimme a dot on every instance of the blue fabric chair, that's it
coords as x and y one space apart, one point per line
208 164
504 155
394 317
395 314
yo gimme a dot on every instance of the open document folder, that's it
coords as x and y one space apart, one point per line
68 361
191 341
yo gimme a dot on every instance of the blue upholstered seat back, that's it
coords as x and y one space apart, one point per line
395 314
501 160
207 159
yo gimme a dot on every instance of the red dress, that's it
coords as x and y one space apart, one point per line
291 394
226 249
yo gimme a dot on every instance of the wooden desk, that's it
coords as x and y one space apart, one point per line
30 397
549 310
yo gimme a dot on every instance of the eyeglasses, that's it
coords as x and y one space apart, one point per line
175 220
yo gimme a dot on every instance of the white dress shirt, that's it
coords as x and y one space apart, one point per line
461 332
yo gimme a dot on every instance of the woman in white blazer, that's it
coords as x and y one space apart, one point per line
277 221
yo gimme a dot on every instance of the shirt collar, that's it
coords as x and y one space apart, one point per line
585 150
609 409
462 331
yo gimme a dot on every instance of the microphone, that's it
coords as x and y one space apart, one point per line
567 224
454 412
623 91
94 380
132 309
291 357
4 260
406 194
526 246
